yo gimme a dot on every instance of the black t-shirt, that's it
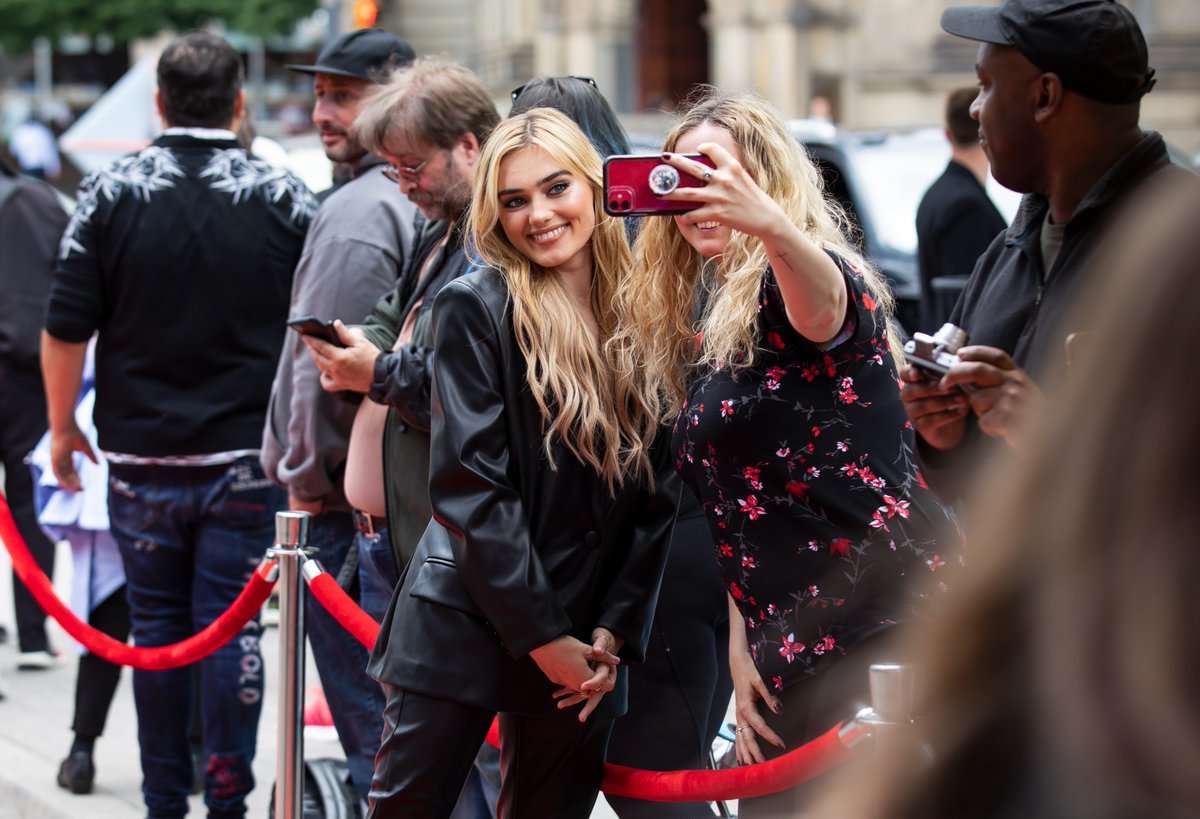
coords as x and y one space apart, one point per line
805 465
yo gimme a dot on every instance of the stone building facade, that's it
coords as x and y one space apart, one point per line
879 63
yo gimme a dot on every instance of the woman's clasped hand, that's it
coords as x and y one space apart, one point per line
585 672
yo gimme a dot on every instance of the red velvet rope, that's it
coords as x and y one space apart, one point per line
799 765
159 658
329 594
803 763
808 761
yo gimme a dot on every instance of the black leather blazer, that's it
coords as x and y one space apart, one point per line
517 553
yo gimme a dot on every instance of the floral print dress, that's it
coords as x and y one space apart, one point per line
806 465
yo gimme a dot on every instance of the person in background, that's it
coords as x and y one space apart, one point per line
788 425
97 582
552 505
1060 90
35 148
821 109
956 220
1060 678
258 146
581 100
181 258
31 224
355 251
677 697
429 121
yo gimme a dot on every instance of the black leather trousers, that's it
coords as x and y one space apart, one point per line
550 765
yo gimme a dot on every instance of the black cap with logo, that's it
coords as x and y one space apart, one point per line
1094 46
363 54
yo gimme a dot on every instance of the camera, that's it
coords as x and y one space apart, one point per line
934 355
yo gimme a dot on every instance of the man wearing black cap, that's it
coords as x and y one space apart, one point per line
354 252
1060 84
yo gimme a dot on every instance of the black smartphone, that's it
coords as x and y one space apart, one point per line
635 185
315 327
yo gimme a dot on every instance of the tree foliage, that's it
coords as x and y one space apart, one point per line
123 20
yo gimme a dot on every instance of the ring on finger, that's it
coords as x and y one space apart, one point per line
707 176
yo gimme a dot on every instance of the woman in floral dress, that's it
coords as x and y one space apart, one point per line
788 425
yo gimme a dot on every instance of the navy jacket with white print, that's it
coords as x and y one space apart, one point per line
181 256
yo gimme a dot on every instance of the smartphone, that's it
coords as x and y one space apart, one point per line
635 185
315 327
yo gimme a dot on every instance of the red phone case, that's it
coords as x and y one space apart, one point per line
627 186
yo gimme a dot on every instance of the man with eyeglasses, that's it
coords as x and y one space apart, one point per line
355 250
429 122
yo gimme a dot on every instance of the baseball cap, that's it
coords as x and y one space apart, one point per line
1095 46
361 54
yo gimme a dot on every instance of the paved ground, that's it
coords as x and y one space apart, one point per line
35 718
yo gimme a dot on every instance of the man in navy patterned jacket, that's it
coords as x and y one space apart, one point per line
181 258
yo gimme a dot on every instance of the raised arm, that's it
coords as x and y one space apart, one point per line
812 287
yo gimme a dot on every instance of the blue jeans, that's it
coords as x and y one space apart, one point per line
377 575
190 537
482 789
355 700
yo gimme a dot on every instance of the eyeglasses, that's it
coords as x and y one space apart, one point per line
516 92
412 174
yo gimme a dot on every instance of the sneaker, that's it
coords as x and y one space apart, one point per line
37 660
77 772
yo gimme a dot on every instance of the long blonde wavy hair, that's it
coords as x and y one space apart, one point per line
586 401
659 302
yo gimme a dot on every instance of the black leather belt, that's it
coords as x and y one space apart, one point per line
369 525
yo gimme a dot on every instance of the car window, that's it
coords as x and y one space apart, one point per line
894 176
894 173
836 187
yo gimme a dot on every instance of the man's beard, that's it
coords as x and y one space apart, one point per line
348 151
451 200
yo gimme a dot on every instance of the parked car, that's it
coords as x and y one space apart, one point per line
879 179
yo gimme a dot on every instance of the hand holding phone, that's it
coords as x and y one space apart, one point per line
636 185
315 327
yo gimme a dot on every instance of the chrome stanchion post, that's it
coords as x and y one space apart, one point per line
291 538
893 706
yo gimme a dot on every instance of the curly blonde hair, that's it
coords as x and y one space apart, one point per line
658 304
601 416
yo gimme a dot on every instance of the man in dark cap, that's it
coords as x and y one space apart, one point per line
1060 85
345 70
354 252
